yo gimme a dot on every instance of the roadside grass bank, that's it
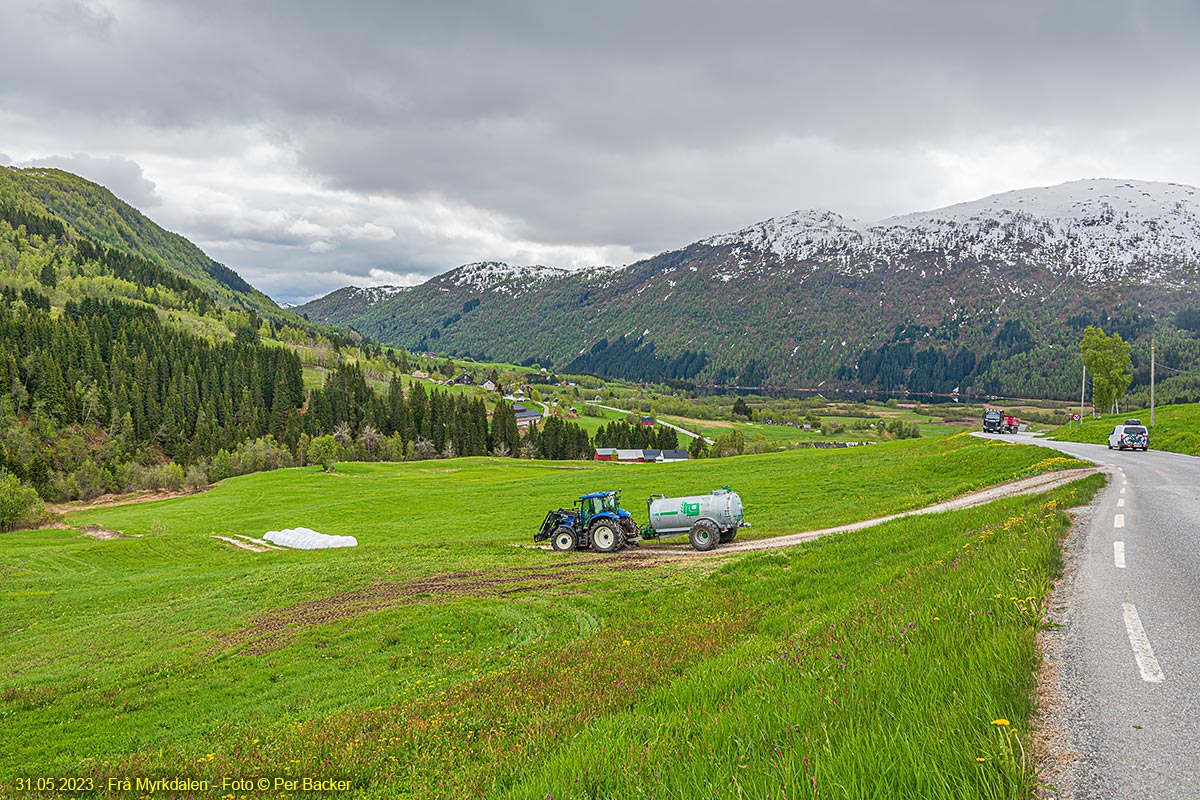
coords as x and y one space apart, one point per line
437 660
1176 428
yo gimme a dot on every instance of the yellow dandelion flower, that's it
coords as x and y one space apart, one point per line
980 760
1002 722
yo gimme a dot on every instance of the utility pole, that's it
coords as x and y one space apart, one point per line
1082 392
1151 381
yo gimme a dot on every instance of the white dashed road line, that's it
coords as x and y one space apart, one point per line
1122 490
1119 554
1119 521
1120 502
1147 663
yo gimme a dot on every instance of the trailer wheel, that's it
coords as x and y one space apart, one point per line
564 539
607 537
727 536
704 535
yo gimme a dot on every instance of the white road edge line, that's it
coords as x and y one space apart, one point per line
1119 521
1147 663
1119 554
1120 502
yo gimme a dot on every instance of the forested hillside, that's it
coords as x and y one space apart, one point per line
93 211
122 370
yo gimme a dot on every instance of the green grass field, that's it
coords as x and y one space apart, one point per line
1176 428
782 434
589 423
438 660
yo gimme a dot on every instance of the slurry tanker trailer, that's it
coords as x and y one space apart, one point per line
598 522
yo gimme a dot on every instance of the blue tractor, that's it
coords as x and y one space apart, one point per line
596 521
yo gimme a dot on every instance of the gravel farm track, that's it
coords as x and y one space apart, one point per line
1033 485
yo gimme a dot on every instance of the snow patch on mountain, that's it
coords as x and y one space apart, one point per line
1101 229
515 280
1097 230
497 276
795 236
372 295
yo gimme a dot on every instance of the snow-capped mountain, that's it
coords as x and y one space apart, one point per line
1098 230
990 294
370 295
497 276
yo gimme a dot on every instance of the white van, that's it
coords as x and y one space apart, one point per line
1132 436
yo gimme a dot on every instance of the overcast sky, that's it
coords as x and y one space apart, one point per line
310 145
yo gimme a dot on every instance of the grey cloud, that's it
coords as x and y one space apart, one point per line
620 75
620 124
88 17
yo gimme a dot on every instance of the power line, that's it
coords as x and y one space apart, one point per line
1179 371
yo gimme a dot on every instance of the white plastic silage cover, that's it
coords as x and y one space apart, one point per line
308 539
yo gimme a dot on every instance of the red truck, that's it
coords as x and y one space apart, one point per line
996 421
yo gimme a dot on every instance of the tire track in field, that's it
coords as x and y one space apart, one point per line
276 629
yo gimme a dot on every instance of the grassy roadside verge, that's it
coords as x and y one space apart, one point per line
471 668
916 680
1176 428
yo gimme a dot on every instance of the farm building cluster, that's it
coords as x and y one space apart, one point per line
526 416
639 456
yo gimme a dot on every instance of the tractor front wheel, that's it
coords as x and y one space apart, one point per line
607 537
564 539
704 535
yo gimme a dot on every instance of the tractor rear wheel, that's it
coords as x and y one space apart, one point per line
564 539
606 537
704 535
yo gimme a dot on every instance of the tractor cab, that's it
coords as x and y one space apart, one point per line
600 504
595 521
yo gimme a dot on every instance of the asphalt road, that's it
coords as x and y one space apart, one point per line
1131 639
